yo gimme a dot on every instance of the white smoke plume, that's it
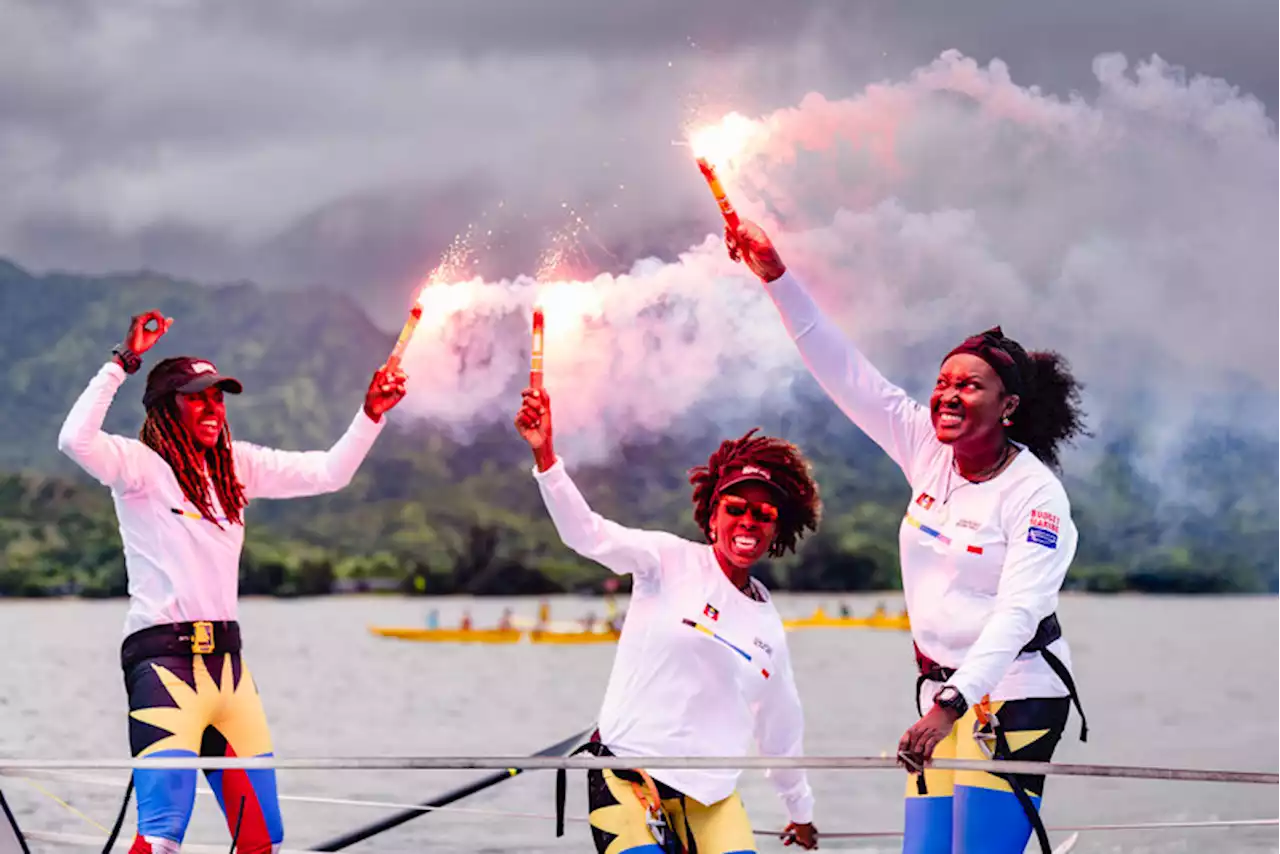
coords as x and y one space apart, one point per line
1133 230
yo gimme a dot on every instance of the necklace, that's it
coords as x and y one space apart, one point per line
1006 456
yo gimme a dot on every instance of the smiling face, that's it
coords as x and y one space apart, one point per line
968 402
203 415
743 523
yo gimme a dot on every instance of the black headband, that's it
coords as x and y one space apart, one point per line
1005 356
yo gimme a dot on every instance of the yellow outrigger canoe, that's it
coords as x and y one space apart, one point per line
819 619
449 635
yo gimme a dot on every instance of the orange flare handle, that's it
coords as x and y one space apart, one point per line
415 314
713 181
535 354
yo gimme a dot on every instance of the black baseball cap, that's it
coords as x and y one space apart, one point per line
185 375
735 475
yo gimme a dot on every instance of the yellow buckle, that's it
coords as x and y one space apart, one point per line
202 637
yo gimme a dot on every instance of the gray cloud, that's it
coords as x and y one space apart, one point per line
345 143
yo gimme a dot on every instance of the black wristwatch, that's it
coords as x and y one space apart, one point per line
129 360
951 698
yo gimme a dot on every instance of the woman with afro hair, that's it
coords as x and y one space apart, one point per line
702 667
985 545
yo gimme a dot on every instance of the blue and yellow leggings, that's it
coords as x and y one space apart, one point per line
619 816
200 705
973 812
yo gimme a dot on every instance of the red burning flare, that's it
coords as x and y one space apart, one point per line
718 145
535 354
410 324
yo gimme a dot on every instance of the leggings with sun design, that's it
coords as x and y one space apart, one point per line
619 820
973 812
200 705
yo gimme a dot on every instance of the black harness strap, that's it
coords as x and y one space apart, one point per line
1060 670
595 748
1047 632
1003 751
124 808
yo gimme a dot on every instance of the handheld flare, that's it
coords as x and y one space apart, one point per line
415 314
713 181
535 354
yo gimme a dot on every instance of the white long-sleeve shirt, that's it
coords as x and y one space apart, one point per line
182 567
701 669
982 563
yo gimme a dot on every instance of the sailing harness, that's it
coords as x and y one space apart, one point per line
650 794
987 730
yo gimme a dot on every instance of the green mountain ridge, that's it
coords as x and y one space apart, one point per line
432 511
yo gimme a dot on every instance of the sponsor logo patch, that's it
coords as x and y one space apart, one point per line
1042 537
1044 529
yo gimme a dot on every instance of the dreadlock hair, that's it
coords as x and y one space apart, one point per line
163 433
1050 413
790 472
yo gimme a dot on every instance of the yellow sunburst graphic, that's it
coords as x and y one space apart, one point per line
235 710
626 819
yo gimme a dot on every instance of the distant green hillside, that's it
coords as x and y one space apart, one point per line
438 515
305 358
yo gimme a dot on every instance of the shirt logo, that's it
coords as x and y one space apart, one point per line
764 646
968 523
711 612
925 500
1041 519
1043 530
706 631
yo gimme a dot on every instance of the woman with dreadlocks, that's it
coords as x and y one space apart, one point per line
702 667
985 545
180 495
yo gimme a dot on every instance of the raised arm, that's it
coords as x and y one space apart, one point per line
271 473
894 421
780 732
114 461
1042 544
625 551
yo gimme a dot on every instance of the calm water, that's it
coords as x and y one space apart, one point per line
1168 681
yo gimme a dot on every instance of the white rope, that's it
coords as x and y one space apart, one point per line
1151 825
491 813
533 763
98 841
305 799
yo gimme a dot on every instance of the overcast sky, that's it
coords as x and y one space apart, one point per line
345 142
